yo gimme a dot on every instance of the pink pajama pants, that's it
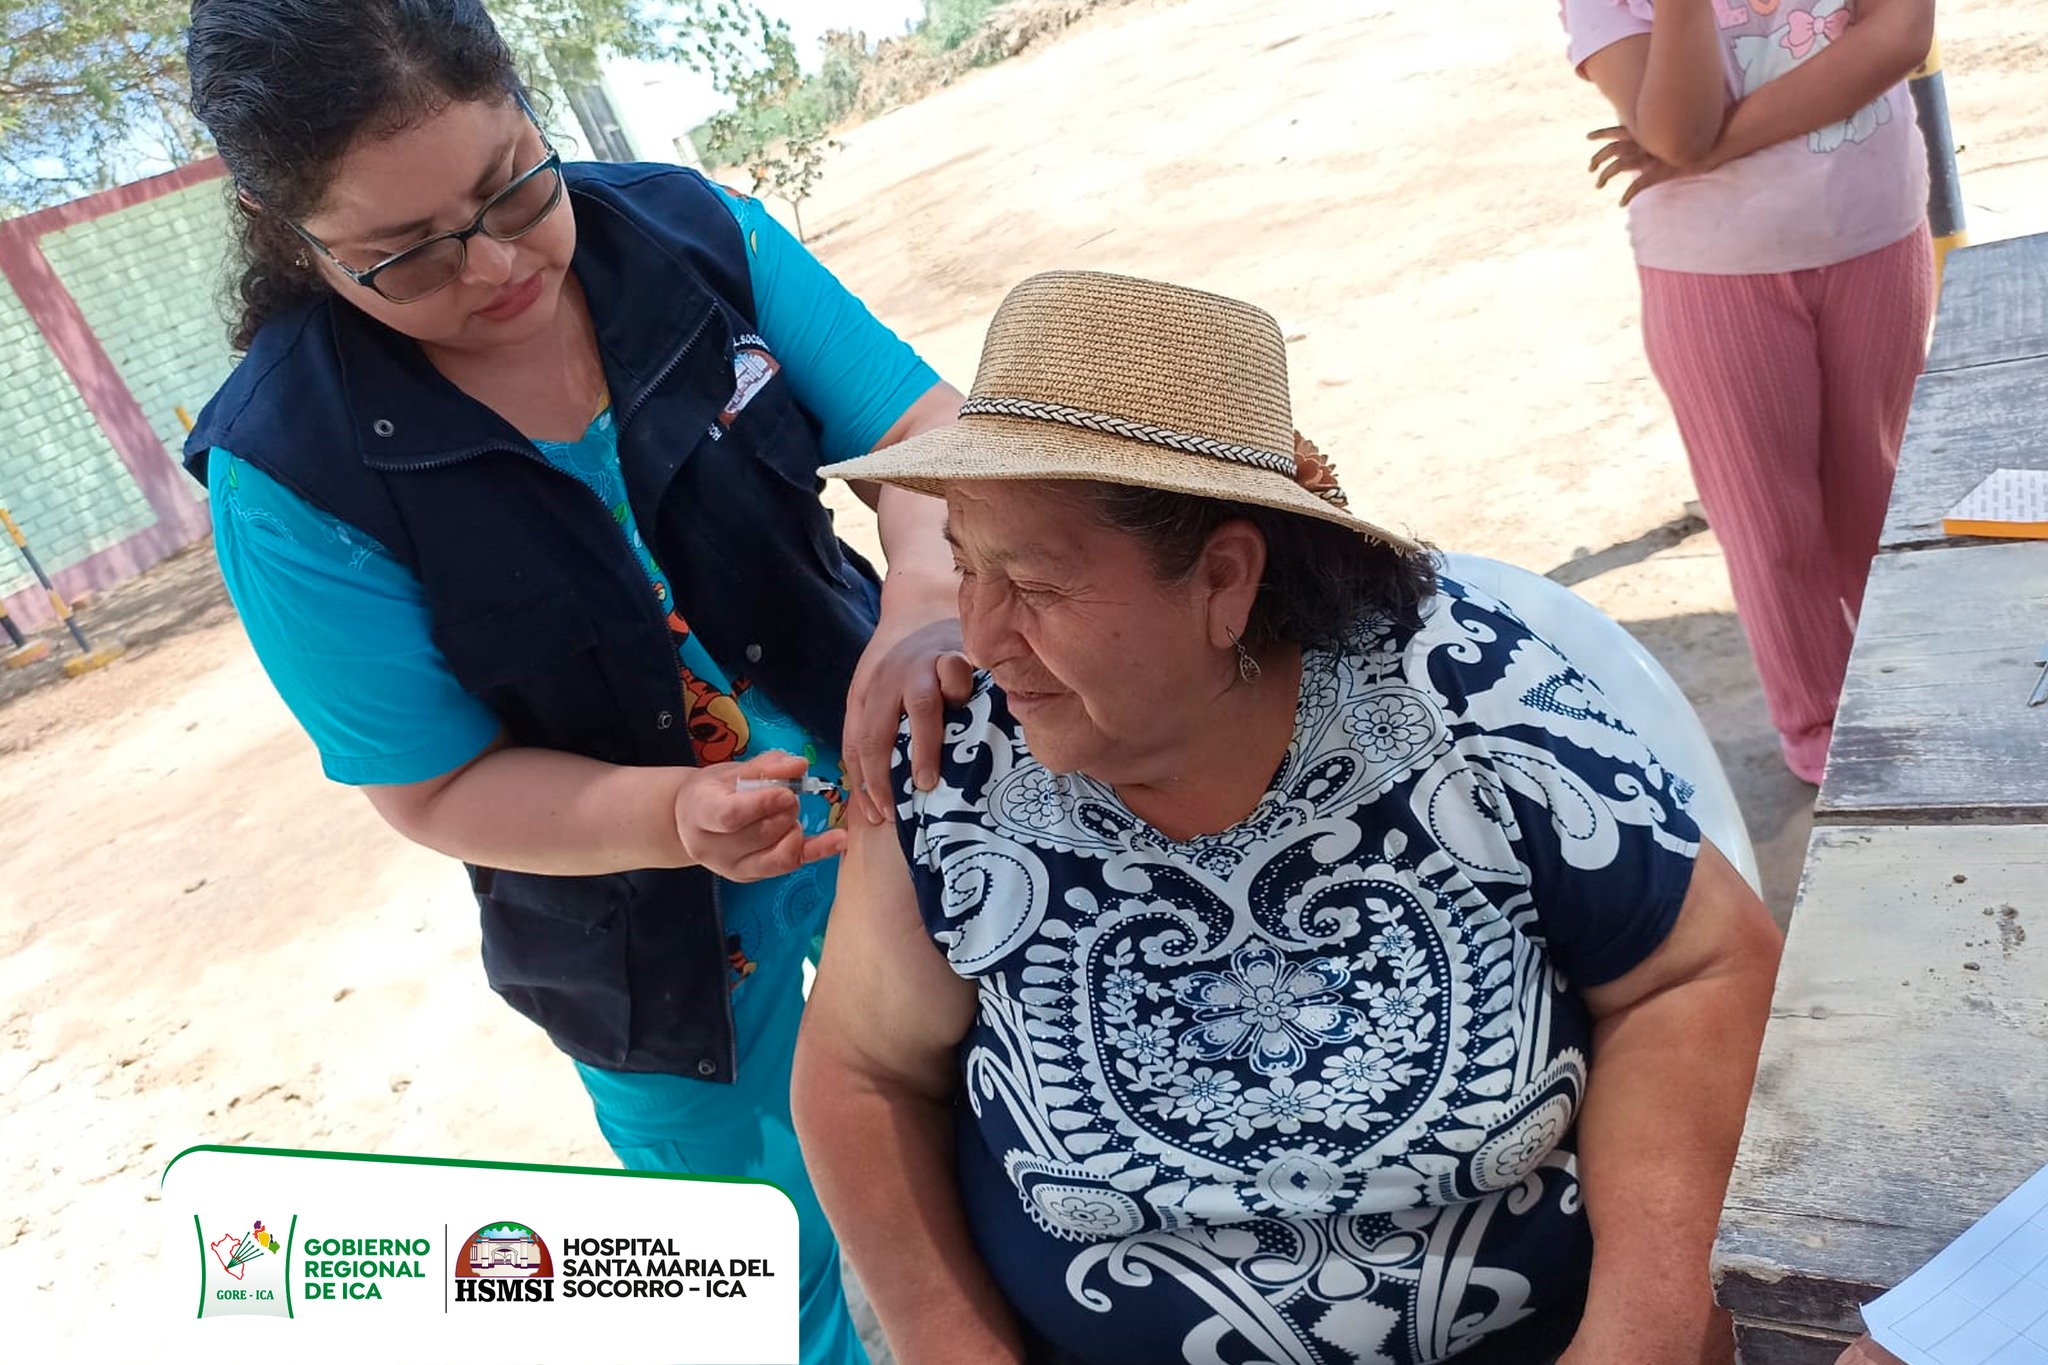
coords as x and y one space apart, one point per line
1791 394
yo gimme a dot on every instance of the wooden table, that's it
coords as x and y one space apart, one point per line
1903 1087
1994 305
1964 424
1934 723
1989 362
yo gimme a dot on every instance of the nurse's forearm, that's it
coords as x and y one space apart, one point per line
540 810
913 533
911 525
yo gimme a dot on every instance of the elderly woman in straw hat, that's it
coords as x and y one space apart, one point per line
1291 959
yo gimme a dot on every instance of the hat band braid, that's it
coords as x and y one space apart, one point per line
1130 430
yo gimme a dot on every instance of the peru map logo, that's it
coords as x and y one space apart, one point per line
242 1269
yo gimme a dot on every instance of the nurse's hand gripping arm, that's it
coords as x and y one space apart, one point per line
540 810
872 1093
1674 1054
913 665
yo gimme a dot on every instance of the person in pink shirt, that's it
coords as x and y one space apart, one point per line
1778 211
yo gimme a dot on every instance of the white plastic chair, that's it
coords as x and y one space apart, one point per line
1630 676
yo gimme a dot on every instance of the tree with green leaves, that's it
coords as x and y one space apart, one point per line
775 129
90 90
93 92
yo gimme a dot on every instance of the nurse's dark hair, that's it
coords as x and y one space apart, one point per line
286 87
1322 581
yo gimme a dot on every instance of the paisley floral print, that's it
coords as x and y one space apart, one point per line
1301 1091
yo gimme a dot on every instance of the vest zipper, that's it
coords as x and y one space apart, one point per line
527 450
732 1030
647 390
732 1023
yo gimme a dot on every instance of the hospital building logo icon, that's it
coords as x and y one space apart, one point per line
241 1269
504 1262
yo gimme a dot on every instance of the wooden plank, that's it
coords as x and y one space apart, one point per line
1810 1269
1757 1344
1934 722
1994 304
1964 424
1903 1087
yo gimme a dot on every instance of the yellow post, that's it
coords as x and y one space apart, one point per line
89 658
25 651
1944 182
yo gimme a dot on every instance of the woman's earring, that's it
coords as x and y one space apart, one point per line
302 262
1247 666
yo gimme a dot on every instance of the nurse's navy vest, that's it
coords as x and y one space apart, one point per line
538 603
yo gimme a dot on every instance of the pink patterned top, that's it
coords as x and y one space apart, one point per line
1839 192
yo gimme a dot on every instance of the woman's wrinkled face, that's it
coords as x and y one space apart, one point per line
1105 667
433 176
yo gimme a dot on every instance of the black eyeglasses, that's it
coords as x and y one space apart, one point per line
429 266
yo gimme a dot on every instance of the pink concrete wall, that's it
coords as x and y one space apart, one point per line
180 520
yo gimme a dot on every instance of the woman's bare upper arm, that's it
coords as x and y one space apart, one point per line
408 806
1617 70
886 1001
1722 929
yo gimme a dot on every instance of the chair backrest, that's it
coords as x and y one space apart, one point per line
1642 693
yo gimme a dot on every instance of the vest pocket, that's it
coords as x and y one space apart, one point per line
506 643
588 902
555 948
535 664
772 441
772 430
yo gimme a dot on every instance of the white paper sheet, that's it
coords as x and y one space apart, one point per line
2014 498
1983 1300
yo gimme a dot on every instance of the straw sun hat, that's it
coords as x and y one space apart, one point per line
1125 381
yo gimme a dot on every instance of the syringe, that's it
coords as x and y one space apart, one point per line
804 786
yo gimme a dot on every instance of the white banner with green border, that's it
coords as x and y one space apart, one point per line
346 1257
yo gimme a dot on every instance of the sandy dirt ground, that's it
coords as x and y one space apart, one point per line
203 941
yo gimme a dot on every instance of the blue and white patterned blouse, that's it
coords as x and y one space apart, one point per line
1302 1091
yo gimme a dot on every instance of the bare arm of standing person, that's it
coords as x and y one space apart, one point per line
1668 85
913 664
1888 40
872 1094
1674 1054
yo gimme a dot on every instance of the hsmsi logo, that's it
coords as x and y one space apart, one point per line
241 1269
504 1263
